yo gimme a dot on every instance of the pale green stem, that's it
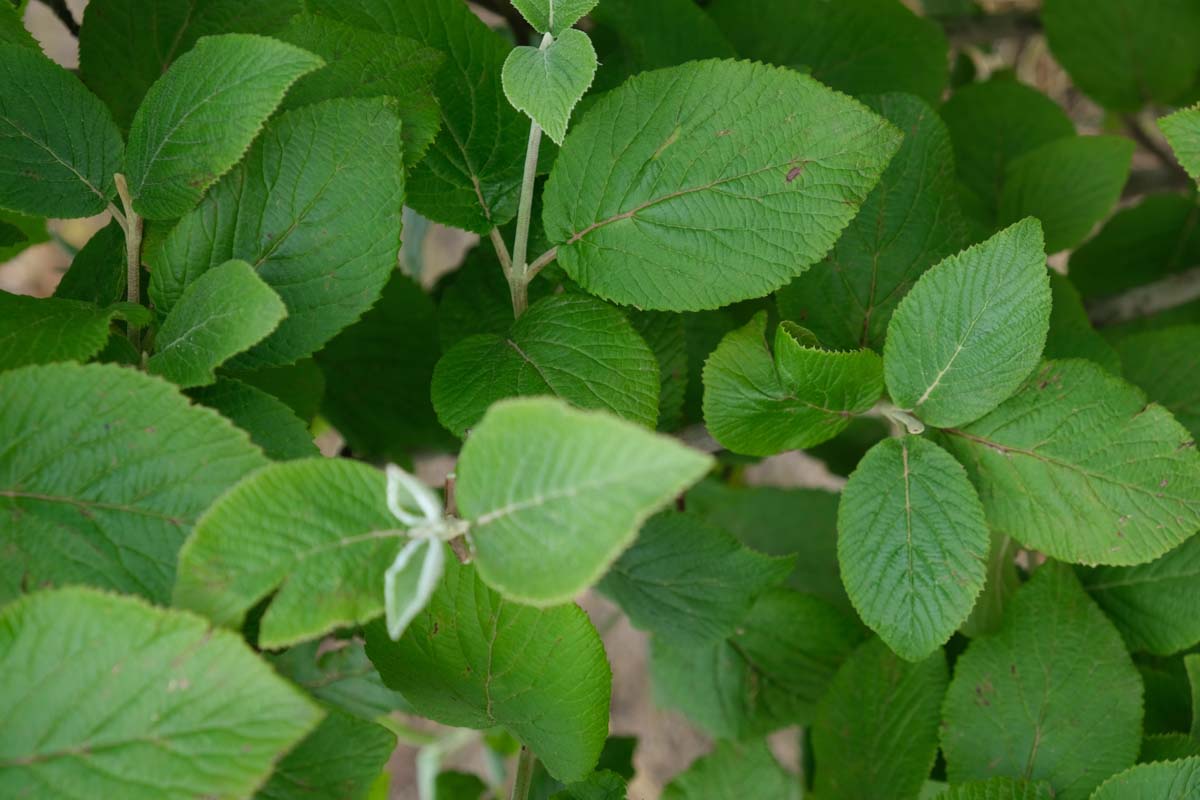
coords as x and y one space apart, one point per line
133 226
524 779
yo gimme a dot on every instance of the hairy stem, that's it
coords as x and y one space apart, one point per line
524 779
133 253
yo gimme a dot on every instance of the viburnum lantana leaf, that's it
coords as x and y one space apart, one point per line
663 332
12 31
759 403
573 346
1174 780
97 273
473 659
58 142
198 118
912 544
149 703
272 425
1071 334
1166 365
553 494
547 82
1182 130
971 330
223 312
340 759
1021 702
1003 580
553 16
723 168
340 677
999 789
1077 465
103 492
733 770
41 330
876 732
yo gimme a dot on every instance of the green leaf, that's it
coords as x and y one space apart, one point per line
337 761
1155 606
723 167
1023 702
999 789
1191 663
113 469
325 573
126 45
857 46
1077 465
733 771
971 330
553 16
1002 583
909 222
410 581
1173 780
1125 53
584 483
198 118
107 696
12 29
912 544
601 785
759 403
226 310
299 386
342 677
687 581
475 298
1182 130
665 335
1166 365
272 425
472 176
332 166
1168 747
362 63
876 732
1069 184
33 230
1071 333
97 273
58 143
770 674
546 83
472 659
36 330
570 346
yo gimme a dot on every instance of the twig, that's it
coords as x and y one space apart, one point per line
541 261
458 544
501 251
59 7
133 253
1162 295
524 779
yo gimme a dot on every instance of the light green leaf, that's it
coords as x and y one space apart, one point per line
1126 53
971 330
857 46
1182 130
410 581
546 83
97 273
553 16
571 346
324 573
198 118
770 674
1166 365
337 761
1071 333
909 222
553 495
999 789
1155 606
1171 780
112 469
1077 465
223 312
272 425
723 168
58 144
331 166
35 330
1022 702
876 733
760 404
912 544
472 659
142 703
1069 184
733 771
341 676
687 581
12 29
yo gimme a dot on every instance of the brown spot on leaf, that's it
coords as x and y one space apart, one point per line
795 172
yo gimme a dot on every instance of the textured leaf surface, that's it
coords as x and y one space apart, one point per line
999 789
571 346
722 167
912 544
733 771
272 425
323 539
36 330
199 713
664 333
198 119
59 147
337 761
342 677
475 660
909 222
971 329
876 732
1077 465
687 581
1003 580
1022 701
572 487
223 312
97 273
103 473
553 16
327 167
1071 333
546 83
1182 130
759 403
1171 780
1166 365
12 30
